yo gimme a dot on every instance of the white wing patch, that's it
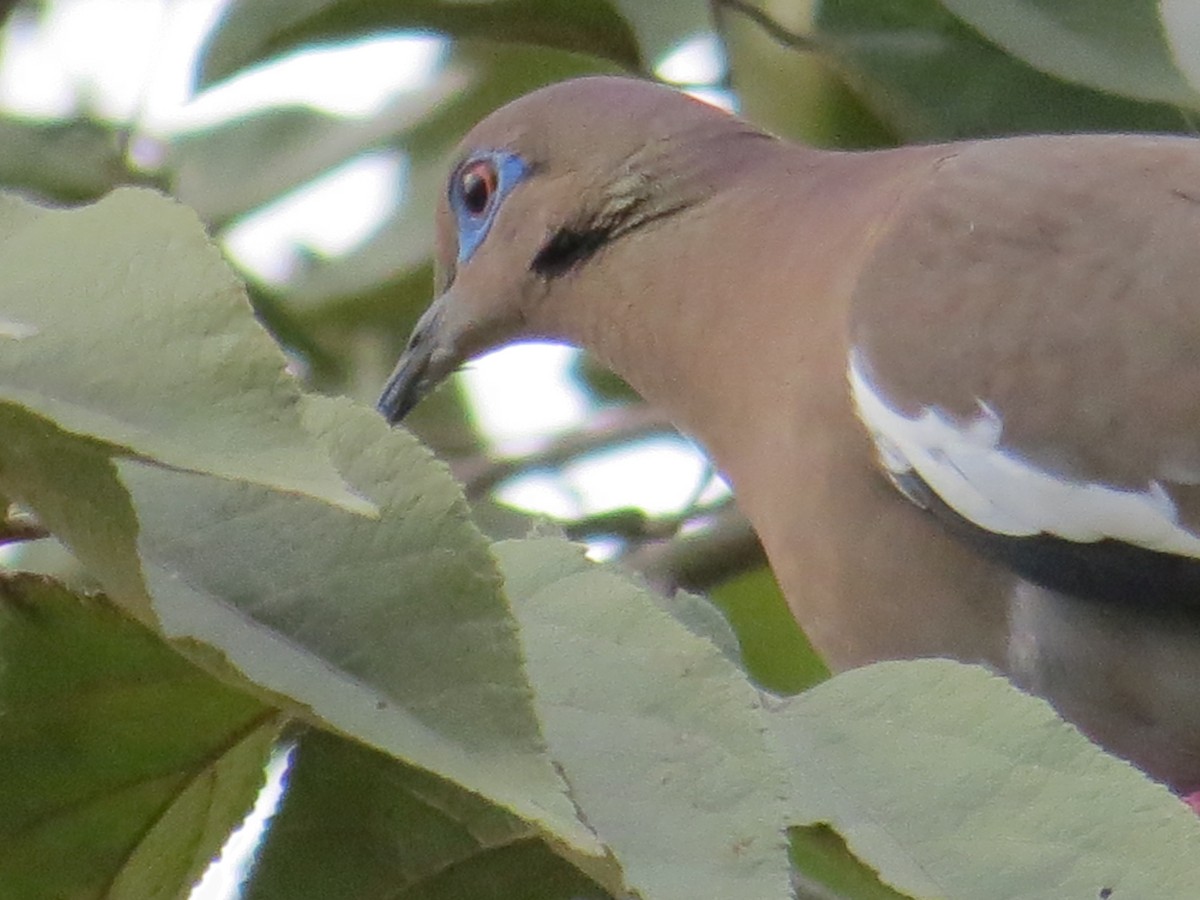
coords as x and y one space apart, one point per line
997 490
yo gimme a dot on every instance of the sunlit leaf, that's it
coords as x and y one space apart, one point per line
138 335
657 733
391 630
72 486
951 783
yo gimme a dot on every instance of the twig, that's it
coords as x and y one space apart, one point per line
635 527
723 545
480 474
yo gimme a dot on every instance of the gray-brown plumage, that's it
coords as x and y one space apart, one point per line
1008 331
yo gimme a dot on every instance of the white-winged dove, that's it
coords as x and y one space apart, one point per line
1007 331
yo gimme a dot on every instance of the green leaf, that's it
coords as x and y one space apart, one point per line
67 161
144 339
254 30
72 486
357 824
658 734
703 618
952 783
527 871
662 27
774 649
393 631
930 77
800 95
123 767
1117 47
825 864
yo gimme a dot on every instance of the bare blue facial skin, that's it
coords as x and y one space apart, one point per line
473 224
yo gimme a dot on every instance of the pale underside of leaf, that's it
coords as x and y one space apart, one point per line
952 783
393 631
146 341
657 732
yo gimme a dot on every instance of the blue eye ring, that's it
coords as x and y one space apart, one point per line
477 188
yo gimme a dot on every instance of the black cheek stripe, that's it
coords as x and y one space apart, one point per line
566 249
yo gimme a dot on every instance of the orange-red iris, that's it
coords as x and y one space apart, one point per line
477 183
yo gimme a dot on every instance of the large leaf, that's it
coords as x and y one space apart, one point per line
123 323
656 731
67 161
122 766
931 77
71 484
253 30
922 72
951 783
393 631
357 824
1117 47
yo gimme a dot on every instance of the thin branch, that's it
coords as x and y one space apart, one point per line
480 474
721 546
636 527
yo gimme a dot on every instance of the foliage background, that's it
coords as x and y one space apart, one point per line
472 712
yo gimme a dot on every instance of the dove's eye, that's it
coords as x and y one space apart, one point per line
477 184
476 191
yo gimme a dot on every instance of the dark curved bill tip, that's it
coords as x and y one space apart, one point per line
406 386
